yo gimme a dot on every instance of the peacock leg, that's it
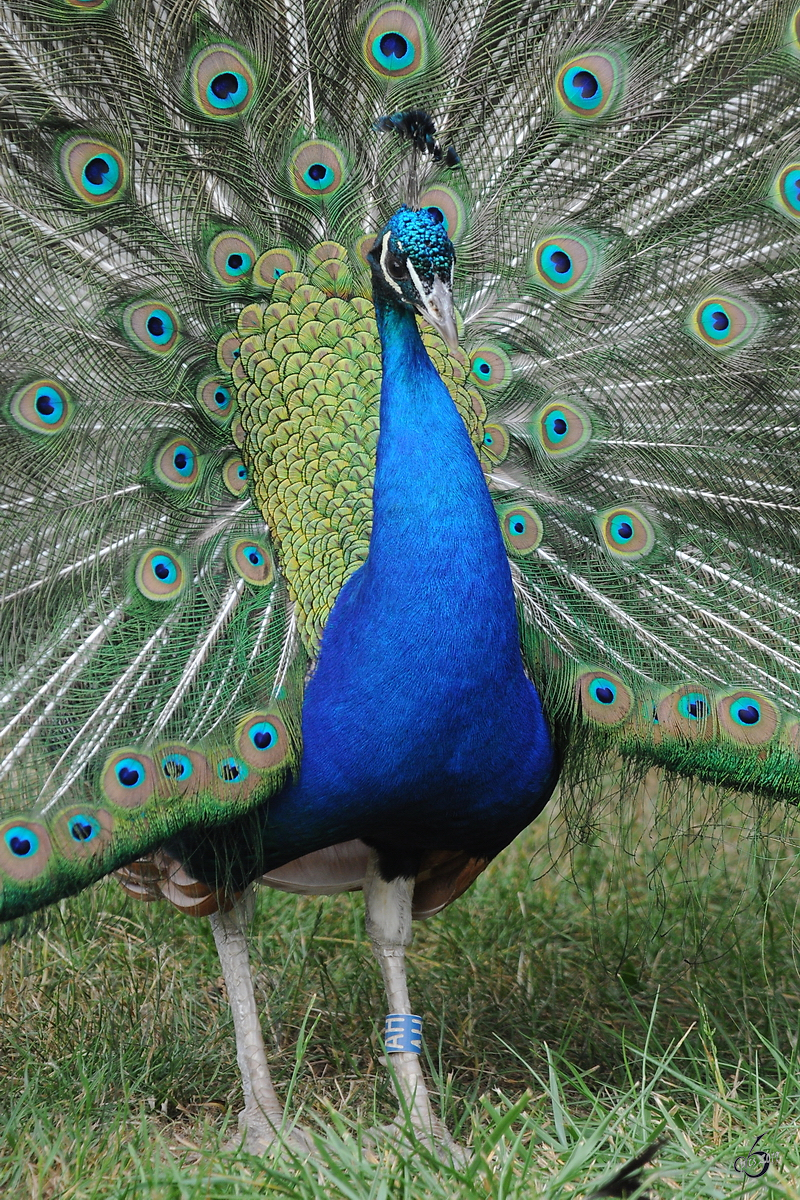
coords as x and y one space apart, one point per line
388 921
262 1117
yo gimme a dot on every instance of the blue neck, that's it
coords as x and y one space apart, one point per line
431 506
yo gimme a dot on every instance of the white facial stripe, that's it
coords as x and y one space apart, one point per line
424 295
435 302
384 255
415 279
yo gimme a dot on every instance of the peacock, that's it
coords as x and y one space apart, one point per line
399 417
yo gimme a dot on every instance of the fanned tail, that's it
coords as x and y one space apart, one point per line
180 181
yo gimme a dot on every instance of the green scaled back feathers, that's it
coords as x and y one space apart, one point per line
190 371
308 380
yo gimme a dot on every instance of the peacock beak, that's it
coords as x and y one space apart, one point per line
436 305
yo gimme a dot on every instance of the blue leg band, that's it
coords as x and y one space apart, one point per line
403 1034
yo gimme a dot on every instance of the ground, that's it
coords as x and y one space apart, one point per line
575 1005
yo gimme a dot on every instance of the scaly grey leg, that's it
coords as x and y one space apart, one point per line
388 921
262 1116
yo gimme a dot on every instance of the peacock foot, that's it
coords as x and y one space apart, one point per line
261 1132
407 1134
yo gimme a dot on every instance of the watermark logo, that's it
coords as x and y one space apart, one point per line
754 1163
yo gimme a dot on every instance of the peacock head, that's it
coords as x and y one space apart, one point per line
412 265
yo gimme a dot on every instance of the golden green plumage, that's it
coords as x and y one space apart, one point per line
308 387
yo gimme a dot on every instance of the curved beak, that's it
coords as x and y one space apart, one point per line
436 306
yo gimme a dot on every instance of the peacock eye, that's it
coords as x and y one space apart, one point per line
396 267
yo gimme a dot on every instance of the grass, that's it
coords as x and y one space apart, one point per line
575 1005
